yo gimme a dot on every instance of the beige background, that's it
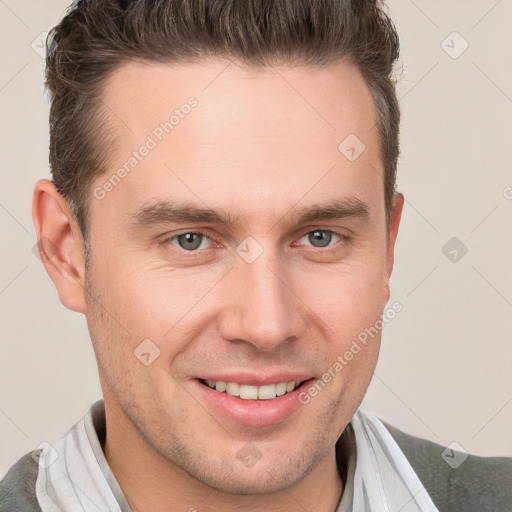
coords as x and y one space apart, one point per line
445 371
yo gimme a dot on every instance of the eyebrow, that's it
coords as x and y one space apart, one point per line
335 209
163 212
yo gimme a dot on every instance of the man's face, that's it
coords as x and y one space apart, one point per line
261 297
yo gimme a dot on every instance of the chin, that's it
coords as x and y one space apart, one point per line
251 481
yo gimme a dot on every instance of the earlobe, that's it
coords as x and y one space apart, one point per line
60 244
394 223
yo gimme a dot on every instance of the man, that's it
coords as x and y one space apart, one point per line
223 211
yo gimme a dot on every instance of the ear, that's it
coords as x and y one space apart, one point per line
394 222
60 243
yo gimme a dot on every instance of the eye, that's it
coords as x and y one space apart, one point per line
189 241
322 237
193 241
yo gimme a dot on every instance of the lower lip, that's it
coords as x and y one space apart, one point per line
252 413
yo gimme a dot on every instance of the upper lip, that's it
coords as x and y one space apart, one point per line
258 379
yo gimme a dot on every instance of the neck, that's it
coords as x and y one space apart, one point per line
152 483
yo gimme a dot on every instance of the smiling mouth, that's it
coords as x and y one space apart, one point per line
249 392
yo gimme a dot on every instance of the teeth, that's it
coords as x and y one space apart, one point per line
281 388
267 392
233 388
247 392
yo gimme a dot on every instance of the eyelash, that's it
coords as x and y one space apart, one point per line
344 239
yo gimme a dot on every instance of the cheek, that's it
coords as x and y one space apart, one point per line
348 299
145 298
159 301
169 307
119 313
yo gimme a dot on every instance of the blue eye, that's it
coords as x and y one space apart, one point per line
320 237
189 241
194 241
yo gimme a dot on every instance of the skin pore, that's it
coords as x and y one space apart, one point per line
260 149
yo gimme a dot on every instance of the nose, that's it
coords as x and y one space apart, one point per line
261 306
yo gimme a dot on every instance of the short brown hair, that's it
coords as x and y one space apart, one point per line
97 36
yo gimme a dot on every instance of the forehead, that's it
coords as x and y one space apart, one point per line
216 131
241 101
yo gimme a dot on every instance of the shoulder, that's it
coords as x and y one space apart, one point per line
456 480
18 487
